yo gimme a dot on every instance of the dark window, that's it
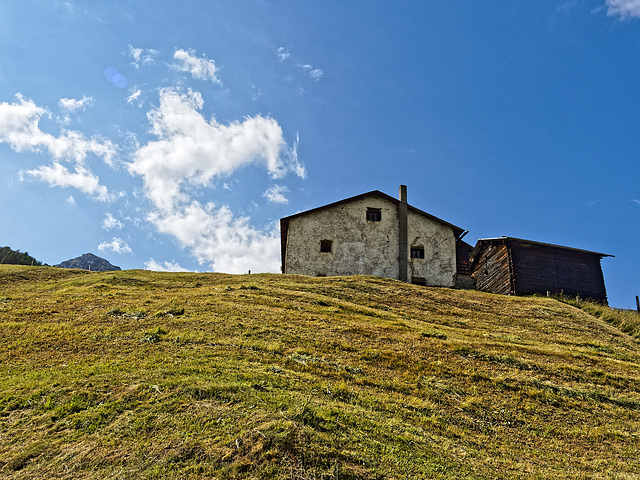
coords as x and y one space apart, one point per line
325 246
417 252
419 281
374 214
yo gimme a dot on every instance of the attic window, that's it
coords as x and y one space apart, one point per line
417 252
325 246
374 214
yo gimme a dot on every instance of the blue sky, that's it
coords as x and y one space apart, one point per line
174 135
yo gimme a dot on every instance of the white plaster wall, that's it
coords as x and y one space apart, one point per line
359 246
438 267
369 248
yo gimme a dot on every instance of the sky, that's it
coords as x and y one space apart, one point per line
174 135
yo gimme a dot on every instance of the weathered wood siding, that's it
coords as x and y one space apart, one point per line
518 267
539 269
463 253
491 270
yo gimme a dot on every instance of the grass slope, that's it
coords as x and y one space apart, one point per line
137 374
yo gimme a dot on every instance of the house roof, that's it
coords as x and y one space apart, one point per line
379 194
284 222
530 242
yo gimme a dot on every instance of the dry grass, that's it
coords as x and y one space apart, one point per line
171 375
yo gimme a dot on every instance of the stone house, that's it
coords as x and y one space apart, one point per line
374 234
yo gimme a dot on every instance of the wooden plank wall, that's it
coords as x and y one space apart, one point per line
534 269
491 270
463 252
568 272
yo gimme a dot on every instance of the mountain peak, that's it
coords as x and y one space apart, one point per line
89 261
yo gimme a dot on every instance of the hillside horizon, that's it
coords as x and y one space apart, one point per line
207 375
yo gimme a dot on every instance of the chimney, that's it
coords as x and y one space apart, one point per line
403 193
402 234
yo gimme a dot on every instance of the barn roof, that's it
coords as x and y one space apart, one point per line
284 222
498 240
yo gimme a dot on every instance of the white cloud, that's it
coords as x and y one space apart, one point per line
165 267
110 222
72 104
200 68
295 165
71 200
191 151
315 73
19 127
283 54
116 245
636 201
623 8
134 97
58 175
216 237
276 193
141 56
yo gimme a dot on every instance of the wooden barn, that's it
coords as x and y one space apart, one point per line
512 266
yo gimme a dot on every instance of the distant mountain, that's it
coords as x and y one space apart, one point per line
89 261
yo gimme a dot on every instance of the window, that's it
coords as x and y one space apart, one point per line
419 281
374 214
417 252
325 246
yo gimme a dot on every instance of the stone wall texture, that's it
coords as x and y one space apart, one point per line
363 247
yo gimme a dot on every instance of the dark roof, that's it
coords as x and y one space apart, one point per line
375 193
284 222
531 242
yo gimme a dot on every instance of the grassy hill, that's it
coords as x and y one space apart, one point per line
136 374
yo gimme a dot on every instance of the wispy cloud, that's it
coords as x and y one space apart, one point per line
140 56
275 194
201 68
134 98
117 245
73 105
636 201
315 73
110 222
283 54
623 8
164 267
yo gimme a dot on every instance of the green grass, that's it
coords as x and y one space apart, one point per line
137 374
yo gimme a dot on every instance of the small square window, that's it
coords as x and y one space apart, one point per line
325 246
417 252
374 214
